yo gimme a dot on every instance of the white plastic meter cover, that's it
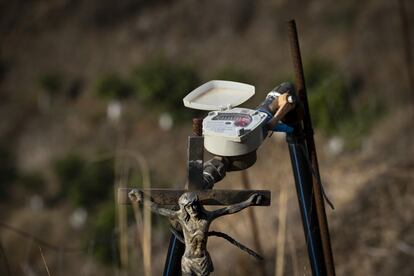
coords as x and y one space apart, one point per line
219 95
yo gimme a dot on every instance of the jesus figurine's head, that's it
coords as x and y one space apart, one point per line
190 204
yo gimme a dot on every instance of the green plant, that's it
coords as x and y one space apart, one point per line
102 232
51 83
330 100
8 171
32 181
85 184
162 84
111 86
359 125
341 15
329 104
328 95
317 70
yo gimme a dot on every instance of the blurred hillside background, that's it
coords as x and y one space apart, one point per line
91 100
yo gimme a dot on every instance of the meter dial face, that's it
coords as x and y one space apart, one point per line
239 120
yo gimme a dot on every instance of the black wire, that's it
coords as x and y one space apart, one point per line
317 176
236 243
244 248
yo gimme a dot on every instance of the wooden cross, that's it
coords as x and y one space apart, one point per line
196 184
207 197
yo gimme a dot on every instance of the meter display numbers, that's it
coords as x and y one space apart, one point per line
240 120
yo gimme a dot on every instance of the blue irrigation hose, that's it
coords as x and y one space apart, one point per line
280 127
170 257
303 203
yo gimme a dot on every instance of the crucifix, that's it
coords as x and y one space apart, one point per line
194 221
191 221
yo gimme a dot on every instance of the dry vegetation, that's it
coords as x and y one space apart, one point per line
63 62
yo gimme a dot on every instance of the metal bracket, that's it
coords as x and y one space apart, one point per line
195 155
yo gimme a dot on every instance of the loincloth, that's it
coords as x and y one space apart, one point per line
197 266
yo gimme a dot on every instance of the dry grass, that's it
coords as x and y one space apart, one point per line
44 261
281 234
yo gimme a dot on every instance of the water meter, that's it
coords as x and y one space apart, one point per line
227 129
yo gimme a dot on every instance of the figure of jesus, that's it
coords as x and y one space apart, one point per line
195 222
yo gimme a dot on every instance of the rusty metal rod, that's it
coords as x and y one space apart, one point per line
311 150
197 126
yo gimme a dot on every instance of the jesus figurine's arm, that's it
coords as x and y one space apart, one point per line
137 196
253 199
